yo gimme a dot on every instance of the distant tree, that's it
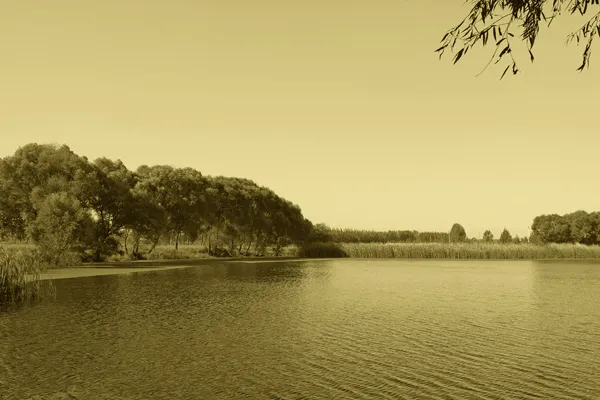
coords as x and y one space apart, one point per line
321 233
505 237
458 233
551 228
516 239
584 227
497 19
488 236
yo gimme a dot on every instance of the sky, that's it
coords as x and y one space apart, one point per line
341 107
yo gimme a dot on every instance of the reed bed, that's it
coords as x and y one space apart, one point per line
481 251
20 275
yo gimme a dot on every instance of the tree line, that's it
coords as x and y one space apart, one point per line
69 205
577 227
73 207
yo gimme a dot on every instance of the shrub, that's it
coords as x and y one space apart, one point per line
321 250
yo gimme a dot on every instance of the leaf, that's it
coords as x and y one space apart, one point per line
510 34
458 55
494 32
504 51
504 73
531 56
500 41
440 49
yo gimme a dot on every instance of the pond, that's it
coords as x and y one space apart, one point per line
351 329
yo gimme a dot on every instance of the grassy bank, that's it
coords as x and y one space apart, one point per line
20 272
485 251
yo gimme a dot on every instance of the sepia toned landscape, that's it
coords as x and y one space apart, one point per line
317 200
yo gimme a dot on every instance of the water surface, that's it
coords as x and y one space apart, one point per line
349 329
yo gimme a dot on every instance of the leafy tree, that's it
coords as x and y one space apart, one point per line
583 226
33 172
179 193
62 227
496 19
321 233
488 236
458 233
67 204
551 228
505 236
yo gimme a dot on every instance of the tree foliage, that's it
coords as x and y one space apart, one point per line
505 237
458 233
488 236
577 227
69 205
500 19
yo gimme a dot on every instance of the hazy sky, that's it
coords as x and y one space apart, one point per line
339 106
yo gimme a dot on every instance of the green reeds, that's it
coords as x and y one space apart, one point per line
20 275
481 251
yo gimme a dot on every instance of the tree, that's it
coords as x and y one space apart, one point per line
505 237
35 171
488 236
458 233
179 192
584 227
551 228
62 227
106 190
321 233
494 18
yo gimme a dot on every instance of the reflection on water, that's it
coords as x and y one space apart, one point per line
320 330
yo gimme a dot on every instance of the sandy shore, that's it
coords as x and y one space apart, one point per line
144 266
79 272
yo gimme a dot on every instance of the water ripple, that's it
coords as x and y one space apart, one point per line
313 330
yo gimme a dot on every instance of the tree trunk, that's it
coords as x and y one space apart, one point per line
154 244
125 242
177 241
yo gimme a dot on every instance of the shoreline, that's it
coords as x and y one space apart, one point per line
129 267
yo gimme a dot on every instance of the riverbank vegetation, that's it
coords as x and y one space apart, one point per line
74 210
482 251
20 271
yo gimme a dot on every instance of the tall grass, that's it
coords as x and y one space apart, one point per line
20 273
485 251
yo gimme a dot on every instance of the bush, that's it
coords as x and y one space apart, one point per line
321 250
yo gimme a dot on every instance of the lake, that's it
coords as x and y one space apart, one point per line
328 329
